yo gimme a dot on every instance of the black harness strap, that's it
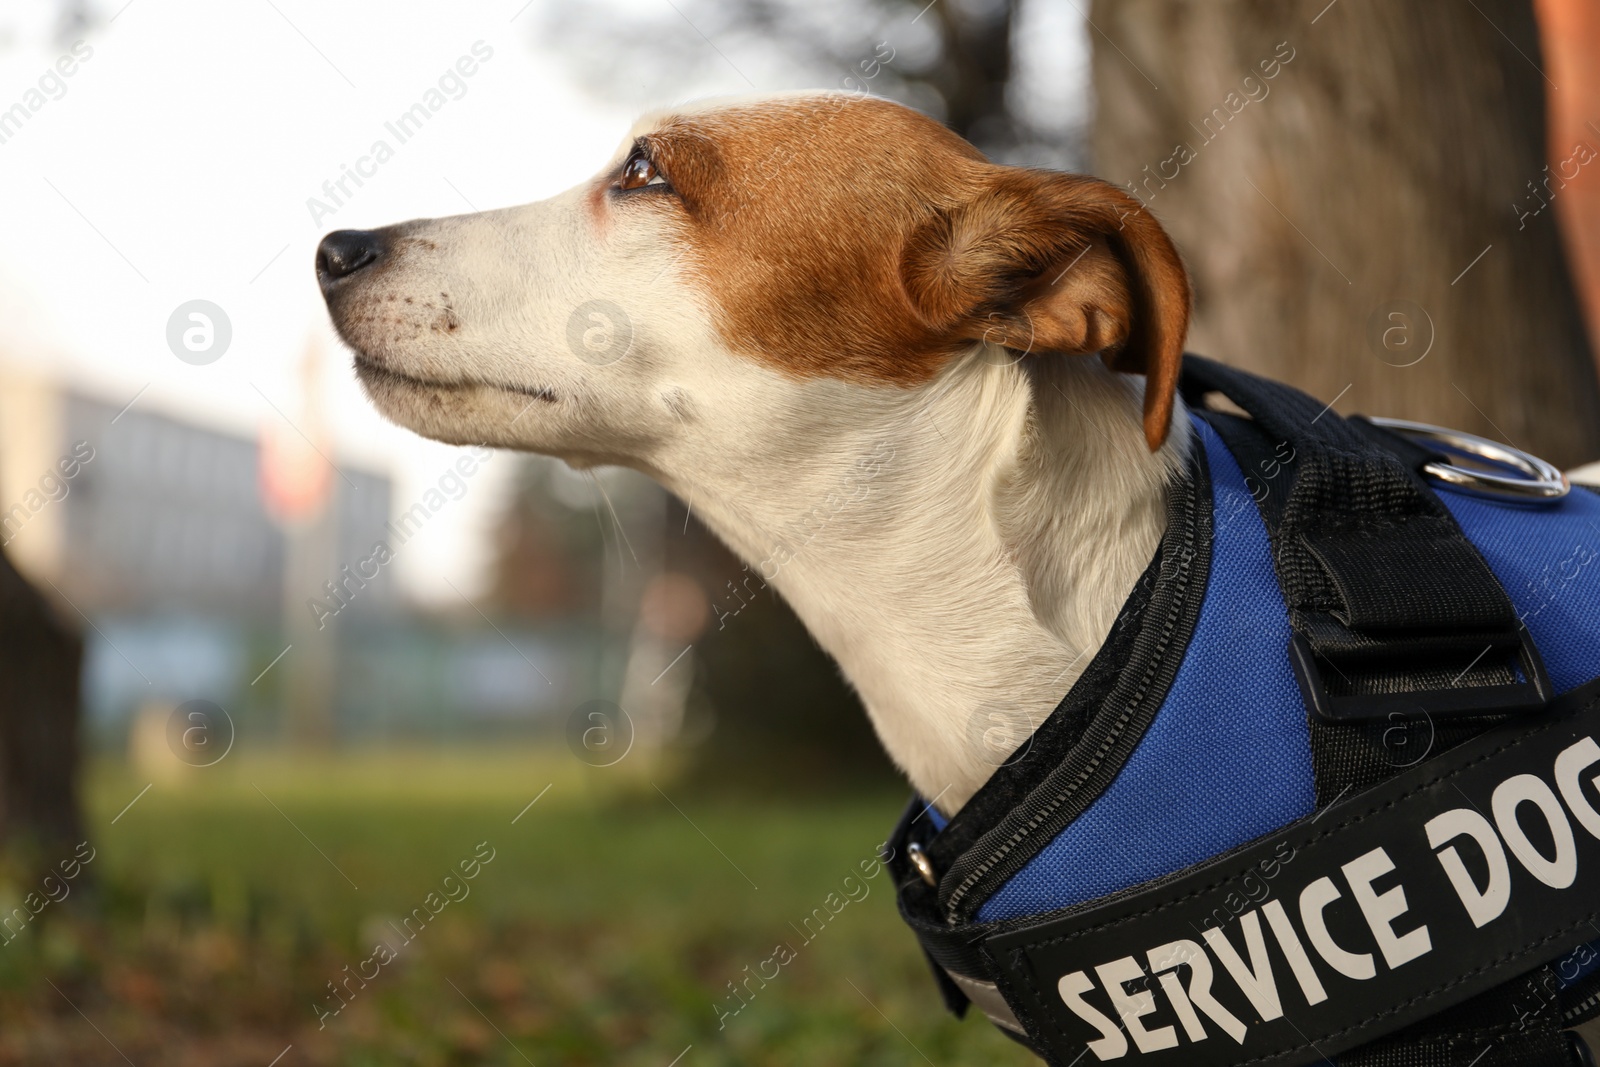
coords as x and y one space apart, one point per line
1393 609
1354 753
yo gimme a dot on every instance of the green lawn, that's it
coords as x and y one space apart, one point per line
605 929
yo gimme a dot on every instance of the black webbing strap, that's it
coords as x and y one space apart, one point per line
1392 607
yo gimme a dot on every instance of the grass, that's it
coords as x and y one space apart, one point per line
227 905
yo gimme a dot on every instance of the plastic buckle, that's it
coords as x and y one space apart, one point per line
1530 694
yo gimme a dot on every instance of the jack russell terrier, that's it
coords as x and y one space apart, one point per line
802 279
826 301
805 278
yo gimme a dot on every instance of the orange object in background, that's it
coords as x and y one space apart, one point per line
1569 32
296 477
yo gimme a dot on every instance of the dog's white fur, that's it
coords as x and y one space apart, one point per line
961 547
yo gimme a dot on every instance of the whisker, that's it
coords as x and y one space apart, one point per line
620 531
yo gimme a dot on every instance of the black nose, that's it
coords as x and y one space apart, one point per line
343 252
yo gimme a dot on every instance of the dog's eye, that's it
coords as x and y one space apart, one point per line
639 172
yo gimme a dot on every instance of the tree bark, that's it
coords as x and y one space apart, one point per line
1361 223
974 73
40 657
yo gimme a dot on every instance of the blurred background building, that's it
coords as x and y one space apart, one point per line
162 515
161 535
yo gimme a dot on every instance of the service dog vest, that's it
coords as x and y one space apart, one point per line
1331 787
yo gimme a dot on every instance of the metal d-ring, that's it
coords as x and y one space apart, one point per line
1536 482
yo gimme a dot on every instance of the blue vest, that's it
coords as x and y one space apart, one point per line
1228 757
1226 761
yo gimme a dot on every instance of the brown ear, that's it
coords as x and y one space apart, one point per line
1045 262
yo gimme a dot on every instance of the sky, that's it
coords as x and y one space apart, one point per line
176 163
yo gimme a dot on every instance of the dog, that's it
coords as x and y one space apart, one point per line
810 283
935 402
806 284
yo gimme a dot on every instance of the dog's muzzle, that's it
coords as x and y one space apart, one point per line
1330 789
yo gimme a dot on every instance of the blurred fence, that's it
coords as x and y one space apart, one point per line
396 680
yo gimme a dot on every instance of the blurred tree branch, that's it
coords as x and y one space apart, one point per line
954 59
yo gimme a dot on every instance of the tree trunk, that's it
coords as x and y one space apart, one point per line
1358 192
974 73
39 669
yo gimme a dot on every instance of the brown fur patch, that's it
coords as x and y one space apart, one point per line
854 238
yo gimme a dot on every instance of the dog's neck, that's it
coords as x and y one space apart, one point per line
961 549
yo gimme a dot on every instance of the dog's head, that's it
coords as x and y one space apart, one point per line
730 261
